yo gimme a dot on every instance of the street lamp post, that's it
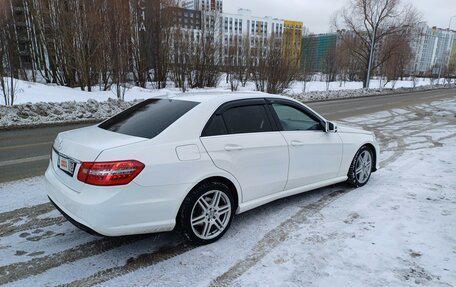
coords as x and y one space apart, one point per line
371 56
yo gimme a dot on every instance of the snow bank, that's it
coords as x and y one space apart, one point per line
38 104
345 94
46 113
30 92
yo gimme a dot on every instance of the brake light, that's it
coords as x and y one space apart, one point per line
109 173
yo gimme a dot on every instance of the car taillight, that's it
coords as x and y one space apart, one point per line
109 173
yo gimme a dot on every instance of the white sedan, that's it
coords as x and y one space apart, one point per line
195 161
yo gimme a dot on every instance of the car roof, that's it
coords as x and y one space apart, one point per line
220 97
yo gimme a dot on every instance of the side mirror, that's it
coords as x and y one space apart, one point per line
331 127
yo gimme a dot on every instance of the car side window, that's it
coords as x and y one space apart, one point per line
293 119
247 119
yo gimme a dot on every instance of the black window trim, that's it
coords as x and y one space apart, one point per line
241 103
297 106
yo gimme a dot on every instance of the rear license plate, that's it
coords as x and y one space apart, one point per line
66 165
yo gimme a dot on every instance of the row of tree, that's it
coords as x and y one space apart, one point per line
115 44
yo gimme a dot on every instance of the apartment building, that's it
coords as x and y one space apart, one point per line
292 40
239 29
204 5
315 48
433 48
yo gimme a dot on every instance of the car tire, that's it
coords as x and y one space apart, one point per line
361 167
206 213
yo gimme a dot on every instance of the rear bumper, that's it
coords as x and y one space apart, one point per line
118 211
74 222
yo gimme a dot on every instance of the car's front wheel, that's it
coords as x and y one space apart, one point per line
206 213
361 167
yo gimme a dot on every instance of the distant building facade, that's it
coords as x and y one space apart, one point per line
186 18
315 48
241 29
292 40
433 49
204 5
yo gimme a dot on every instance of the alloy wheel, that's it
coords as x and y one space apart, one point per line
211 214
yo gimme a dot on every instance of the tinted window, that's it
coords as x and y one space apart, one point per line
215 127
247 119
149 118
293 119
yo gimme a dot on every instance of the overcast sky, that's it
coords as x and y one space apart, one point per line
316 14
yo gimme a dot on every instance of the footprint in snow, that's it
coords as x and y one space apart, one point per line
351 218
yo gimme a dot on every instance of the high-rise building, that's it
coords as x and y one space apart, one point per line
241 27
204 5
315 48
292 40
186 18
237 28
432 48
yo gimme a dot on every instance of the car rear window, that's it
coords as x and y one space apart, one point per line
149 118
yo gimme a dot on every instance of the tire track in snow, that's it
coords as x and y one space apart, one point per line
275 237
32 211
35 223
133 264
27 218
150 259
22 270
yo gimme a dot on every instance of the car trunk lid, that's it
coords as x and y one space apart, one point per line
83 145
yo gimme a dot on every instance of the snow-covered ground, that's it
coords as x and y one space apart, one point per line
38 104
29 92
399 230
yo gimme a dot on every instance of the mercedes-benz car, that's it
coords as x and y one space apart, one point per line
192 162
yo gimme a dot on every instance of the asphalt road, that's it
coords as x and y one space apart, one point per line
25 152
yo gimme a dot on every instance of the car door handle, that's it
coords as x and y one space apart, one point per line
297 143
232 147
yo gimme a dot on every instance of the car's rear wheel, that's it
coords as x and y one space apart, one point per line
361 167
206 213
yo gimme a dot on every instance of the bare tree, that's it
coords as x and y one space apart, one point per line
206 60
450 72
8 53
350 65
371 22
273 72
330 67
398 59
237 61
305 73
183 49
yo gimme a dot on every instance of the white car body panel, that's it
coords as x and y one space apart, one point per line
258 161
262 167
315 156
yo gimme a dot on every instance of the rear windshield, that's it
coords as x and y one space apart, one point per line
149 118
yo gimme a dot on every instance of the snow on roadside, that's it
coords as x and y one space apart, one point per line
24 193
46 113
38 104
30 92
